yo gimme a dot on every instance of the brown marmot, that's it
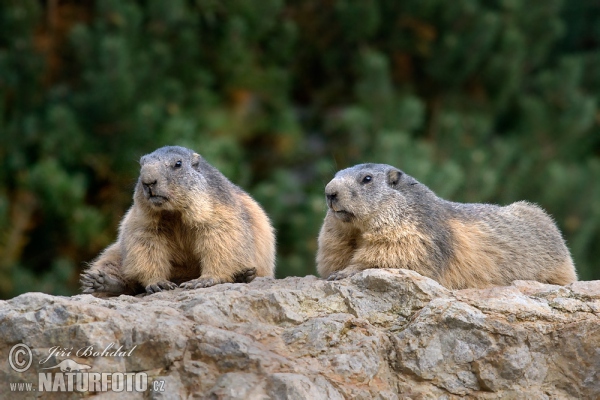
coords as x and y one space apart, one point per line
379 217
188 226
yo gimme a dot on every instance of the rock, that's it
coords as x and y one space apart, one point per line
381 334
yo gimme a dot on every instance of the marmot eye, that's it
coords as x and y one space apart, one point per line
367 179
178 164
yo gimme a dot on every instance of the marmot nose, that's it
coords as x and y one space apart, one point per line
331 197
148 184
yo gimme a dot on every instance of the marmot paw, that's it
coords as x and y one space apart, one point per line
201 282
345 273
160 286
245 276
100 281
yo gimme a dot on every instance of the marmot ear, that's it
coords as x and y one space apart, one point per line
394 176
195 160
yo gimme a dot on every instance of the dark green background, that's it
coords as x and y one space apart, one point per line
482 100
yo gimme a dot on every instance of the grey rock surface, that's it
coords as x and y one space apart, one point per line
382 334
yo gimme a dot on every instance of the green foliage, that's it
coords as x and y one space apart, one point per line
482 100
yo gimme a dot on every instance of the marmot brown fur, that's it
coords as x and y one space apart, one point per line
189 226
379 217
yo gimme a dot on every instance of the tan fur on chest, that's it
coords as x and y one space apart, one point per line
181 243
403 246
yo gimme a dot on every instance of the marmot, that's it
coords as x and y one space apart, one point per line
379 217
188 226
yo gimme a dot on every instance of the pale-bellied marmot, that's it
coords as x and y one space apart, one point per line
189 226
379 217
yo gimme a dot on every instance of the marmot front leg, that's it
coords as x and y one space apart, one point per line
365 258
202 282
345 273
245 276
222 262
104 277
147 262
101 282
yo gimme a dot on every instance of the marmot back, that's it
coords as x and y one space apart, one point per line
188 225
379 217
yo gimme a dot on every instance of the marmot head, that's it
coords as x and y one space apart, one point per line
375 193
169 177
